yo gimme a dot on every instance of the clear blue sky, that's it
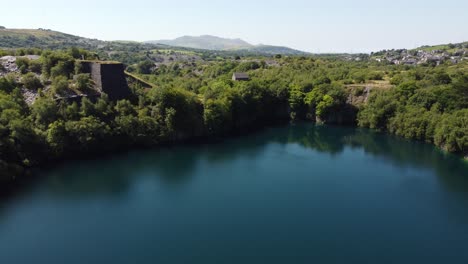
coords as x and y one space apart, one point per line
316 26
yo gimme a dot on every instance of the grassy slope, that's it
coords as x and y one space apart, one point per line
444 47
15 38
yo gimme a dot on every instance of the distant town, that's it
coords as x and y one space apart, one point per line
436 55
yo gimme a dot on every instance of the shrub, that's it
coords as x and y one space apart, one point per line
78 67
6 85
59 85
375 76
145 67
35 66
63 68
23 64
359 77
452 132
30 81
83 82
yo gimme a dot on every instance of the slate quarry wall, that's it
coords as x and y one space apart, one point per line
108 77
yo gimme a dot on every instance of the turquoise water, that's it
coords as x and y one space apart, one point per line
295 194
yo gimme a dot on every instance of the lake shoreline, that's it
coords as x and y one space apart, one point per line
26 176
286 188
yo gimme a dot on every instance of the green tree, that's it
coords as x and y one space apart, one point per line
380 108
59 85
6 85
145 67
63 68
44 112
324 106
452 132
217 115
87 107
83 82
57 137
88 133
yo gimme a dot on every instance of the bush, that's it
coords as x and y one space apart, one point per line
379 109
63 68
359 77
247 66
441 78
145 67
78 67
6 85
414 123
35 66
452 132
59 85
378 76
51 60
83 82
23 64
30 81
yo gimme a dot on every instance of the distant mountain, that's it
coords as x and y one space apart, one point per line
208 42
268 49
49 39
205 42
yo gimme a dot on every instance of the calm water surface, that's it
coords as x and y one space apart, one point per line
296 194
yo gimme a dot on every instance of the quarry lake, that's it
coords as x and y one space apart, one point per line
293 194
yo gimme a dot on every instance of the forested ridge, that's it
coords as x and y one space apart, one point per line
199 100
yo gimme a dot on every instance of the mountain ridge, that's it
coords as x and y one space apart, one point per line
50 39
210 42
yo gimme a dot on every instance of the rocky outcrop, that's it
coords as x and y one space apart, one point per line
7 65
342 115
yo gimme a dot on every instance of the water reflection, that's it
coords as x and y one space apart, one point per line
301 190
451 170
174 166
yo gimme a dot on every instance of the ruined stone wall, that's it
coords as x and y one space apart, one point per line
109 78
95 71
113 81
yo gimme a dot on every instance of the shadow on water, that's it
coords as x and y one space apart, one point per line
113 176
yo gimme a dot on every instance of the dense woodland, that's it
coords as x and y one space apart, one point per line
199 101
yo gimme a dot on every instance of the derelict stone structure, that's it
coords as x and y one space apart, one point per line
109 78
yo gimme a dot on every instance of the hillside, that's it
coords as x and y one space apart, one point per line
120 50
208 42
434 55
43 38
268 49
445 47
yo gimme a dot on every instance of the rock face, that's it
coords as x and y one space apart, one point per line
30 96
8 64
344 115
109 78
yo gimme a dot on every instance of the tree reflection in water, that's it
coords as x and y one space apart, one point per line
173 166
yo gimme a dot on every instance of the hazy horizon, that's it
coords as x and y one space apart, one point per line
313 26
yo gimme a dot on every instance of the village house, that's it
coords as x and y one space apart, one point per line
240 76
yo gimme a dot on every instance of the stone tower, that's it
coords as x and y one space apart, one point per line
109 78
